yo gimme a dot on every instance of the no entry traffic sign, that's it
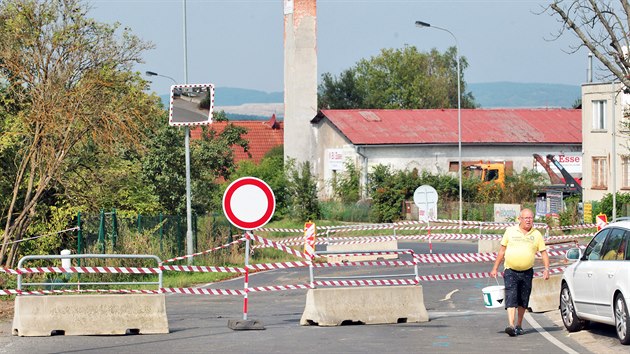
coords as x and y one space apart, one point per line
248 203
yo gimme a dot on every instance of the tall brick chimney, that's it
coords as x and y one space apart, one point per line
300 78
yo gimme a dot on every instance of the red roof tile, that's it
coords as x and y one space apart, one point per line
262 137
439 126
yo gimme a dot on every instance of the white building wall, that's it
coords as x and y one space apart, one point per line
435 159
598 143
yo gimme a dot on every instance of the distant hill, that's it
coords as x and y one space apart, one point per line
246 104
524 95
229 96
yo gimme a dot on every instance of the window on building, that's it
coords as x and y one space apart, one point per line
599 172
599 114
625 172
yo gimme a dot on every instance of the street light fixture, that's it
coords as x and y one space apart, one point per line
459 114
153 73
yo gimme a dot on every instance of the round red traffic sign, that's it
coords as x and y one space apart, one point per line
248 203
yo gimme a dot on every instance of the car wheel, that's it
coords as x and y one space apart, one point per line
621 319
567 310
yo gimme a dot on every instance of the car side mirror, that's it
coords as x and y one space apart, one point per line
573 254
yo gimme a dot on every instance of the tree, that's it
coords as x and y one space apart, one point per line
398 79
271 170
302 191
211 158
602 27
69 85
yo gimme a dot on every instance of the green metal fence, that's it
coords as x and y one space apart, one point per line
108 232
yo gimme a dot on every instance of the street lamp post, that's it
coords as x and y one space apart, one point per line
459 114
189 240
153 73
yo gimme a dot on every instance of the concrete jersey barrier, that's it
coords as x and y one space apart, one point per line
90 314
545 294
368 305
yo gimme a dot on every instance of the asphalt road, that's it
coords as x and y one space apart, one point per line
459 322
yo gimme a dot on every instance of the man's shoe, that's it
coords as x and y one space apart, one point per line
510 331
519 330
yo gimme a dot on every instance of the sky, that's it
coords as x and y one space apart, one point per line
239 43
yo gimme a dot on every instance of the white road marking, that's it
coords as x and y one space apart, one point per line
441 314
448 296
532 322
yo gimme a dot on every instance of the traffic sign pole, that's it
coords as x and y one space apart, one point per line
246 282
248 203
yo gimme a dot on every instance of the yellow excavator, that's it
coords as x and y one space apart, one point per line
488 172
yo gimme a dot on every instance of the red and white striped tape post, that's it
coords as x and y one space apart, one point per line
309 239
429 234
601 221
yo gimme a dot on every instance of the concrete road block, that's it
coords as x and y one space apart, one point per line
366 305
90 314
487 246
363 247
545 294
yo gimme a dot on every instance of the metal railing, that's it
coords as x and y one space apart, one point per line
20 283
371 276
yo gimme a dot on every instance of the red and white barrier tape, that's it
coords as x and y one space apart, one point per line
203 269
370 239
366 263
421 258
481 275
568 237
474 257
9 271
280 287
405 225
367 282
283 265
484 223
205 252
203 291
276 229
66 291
375 253
580 226
89 270
455 257
356 241
280 247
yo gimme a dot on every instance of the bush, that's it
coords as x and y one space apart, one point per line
346 185
389 189
351 212
605 205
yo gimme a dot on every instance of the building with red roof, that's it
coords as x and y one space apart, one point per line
261 135
427 139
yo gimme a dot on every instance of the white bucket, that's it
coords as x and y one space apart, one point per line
493 296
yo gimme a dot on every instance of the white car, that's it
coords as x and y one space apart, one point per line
597 286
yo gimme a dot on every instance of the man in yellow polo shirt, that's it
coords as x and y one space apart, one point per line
518 247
